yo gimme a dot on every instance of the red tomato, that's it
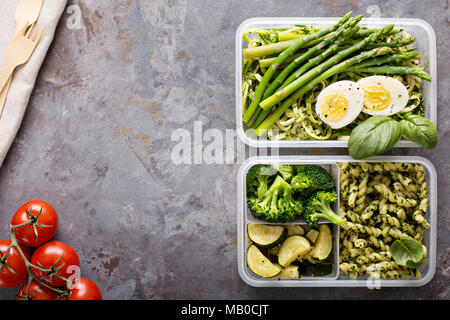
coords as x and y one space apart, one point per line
36 292
47 216
15 262
85 289
47 256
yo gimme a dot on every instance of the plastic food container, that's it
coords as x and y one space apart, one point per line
425 43
335 279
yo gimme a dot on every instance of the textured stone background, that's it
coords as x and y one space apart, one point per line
96 143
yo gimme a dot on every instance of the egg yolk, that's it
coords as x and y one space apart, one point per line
376 98
334 106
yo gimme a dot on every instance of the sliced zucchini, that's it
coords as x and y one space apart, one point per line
291 248
290 272
294 229
275 250
324 243
312 235
266 236
308 257
272 253
316 270
259 264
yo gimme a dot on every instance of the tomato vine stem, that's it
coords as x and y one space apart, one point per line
28 265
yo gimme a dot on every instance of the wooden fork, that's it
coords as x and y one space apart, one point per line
27 12
19 51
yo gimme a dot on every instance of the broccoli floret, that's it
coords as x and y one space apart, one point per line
277 204
311 178
259 177
285 170
318 206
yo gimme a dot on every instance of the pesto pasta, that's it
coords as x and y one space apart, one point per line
382 202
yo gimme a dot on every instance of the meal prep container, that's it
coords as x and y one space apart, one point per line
425 43
335 279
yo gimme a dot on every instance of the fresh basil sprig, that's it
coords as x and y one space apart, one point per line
407 252
419 130
378 134
373 136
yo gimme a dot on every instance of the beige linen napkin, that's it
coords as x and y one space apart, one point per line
25 76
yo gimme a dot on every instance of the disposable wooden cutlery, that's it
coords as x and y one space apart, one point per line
28 11
19 51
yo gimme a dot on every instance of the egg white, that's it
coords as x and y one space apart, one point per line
399 94
354 95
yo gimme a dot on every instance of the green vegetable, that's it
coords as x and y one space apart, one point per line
291 248
315 61
270 120
266 236
294 229
419 130
300 71
312 235
323 244
265 63
259 263
338 35
277 205
374 136
316 270
310 178
319 206
285 170
392 44
407 252
290 272
286 91
392 70
394 58
258 179
280 59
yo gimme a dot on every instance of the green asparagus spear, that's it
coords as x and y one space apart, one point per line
281 58
265 63
310 53
341 67
316 60
395 58
392 70
291 34
304 79
307 66
364 32
393 44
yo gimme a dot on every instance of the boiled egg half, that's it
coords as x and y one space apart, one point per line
340 103
383 95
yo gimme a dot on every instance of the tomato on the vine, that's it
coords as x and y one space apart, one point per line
85 289
44 226
36 292
58 257
13 261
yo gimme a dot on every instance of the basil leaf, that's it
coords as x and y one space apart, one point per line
419 130
374 136
407 252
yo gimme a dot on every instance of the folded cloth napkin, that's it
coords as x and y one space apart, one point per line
25 76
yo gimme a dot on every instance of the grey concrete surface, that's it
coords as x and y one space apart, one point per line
96 143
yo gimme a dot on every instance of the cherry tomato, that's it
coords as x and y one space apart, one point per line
46 216
36 292
85 289
53 255
9 279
